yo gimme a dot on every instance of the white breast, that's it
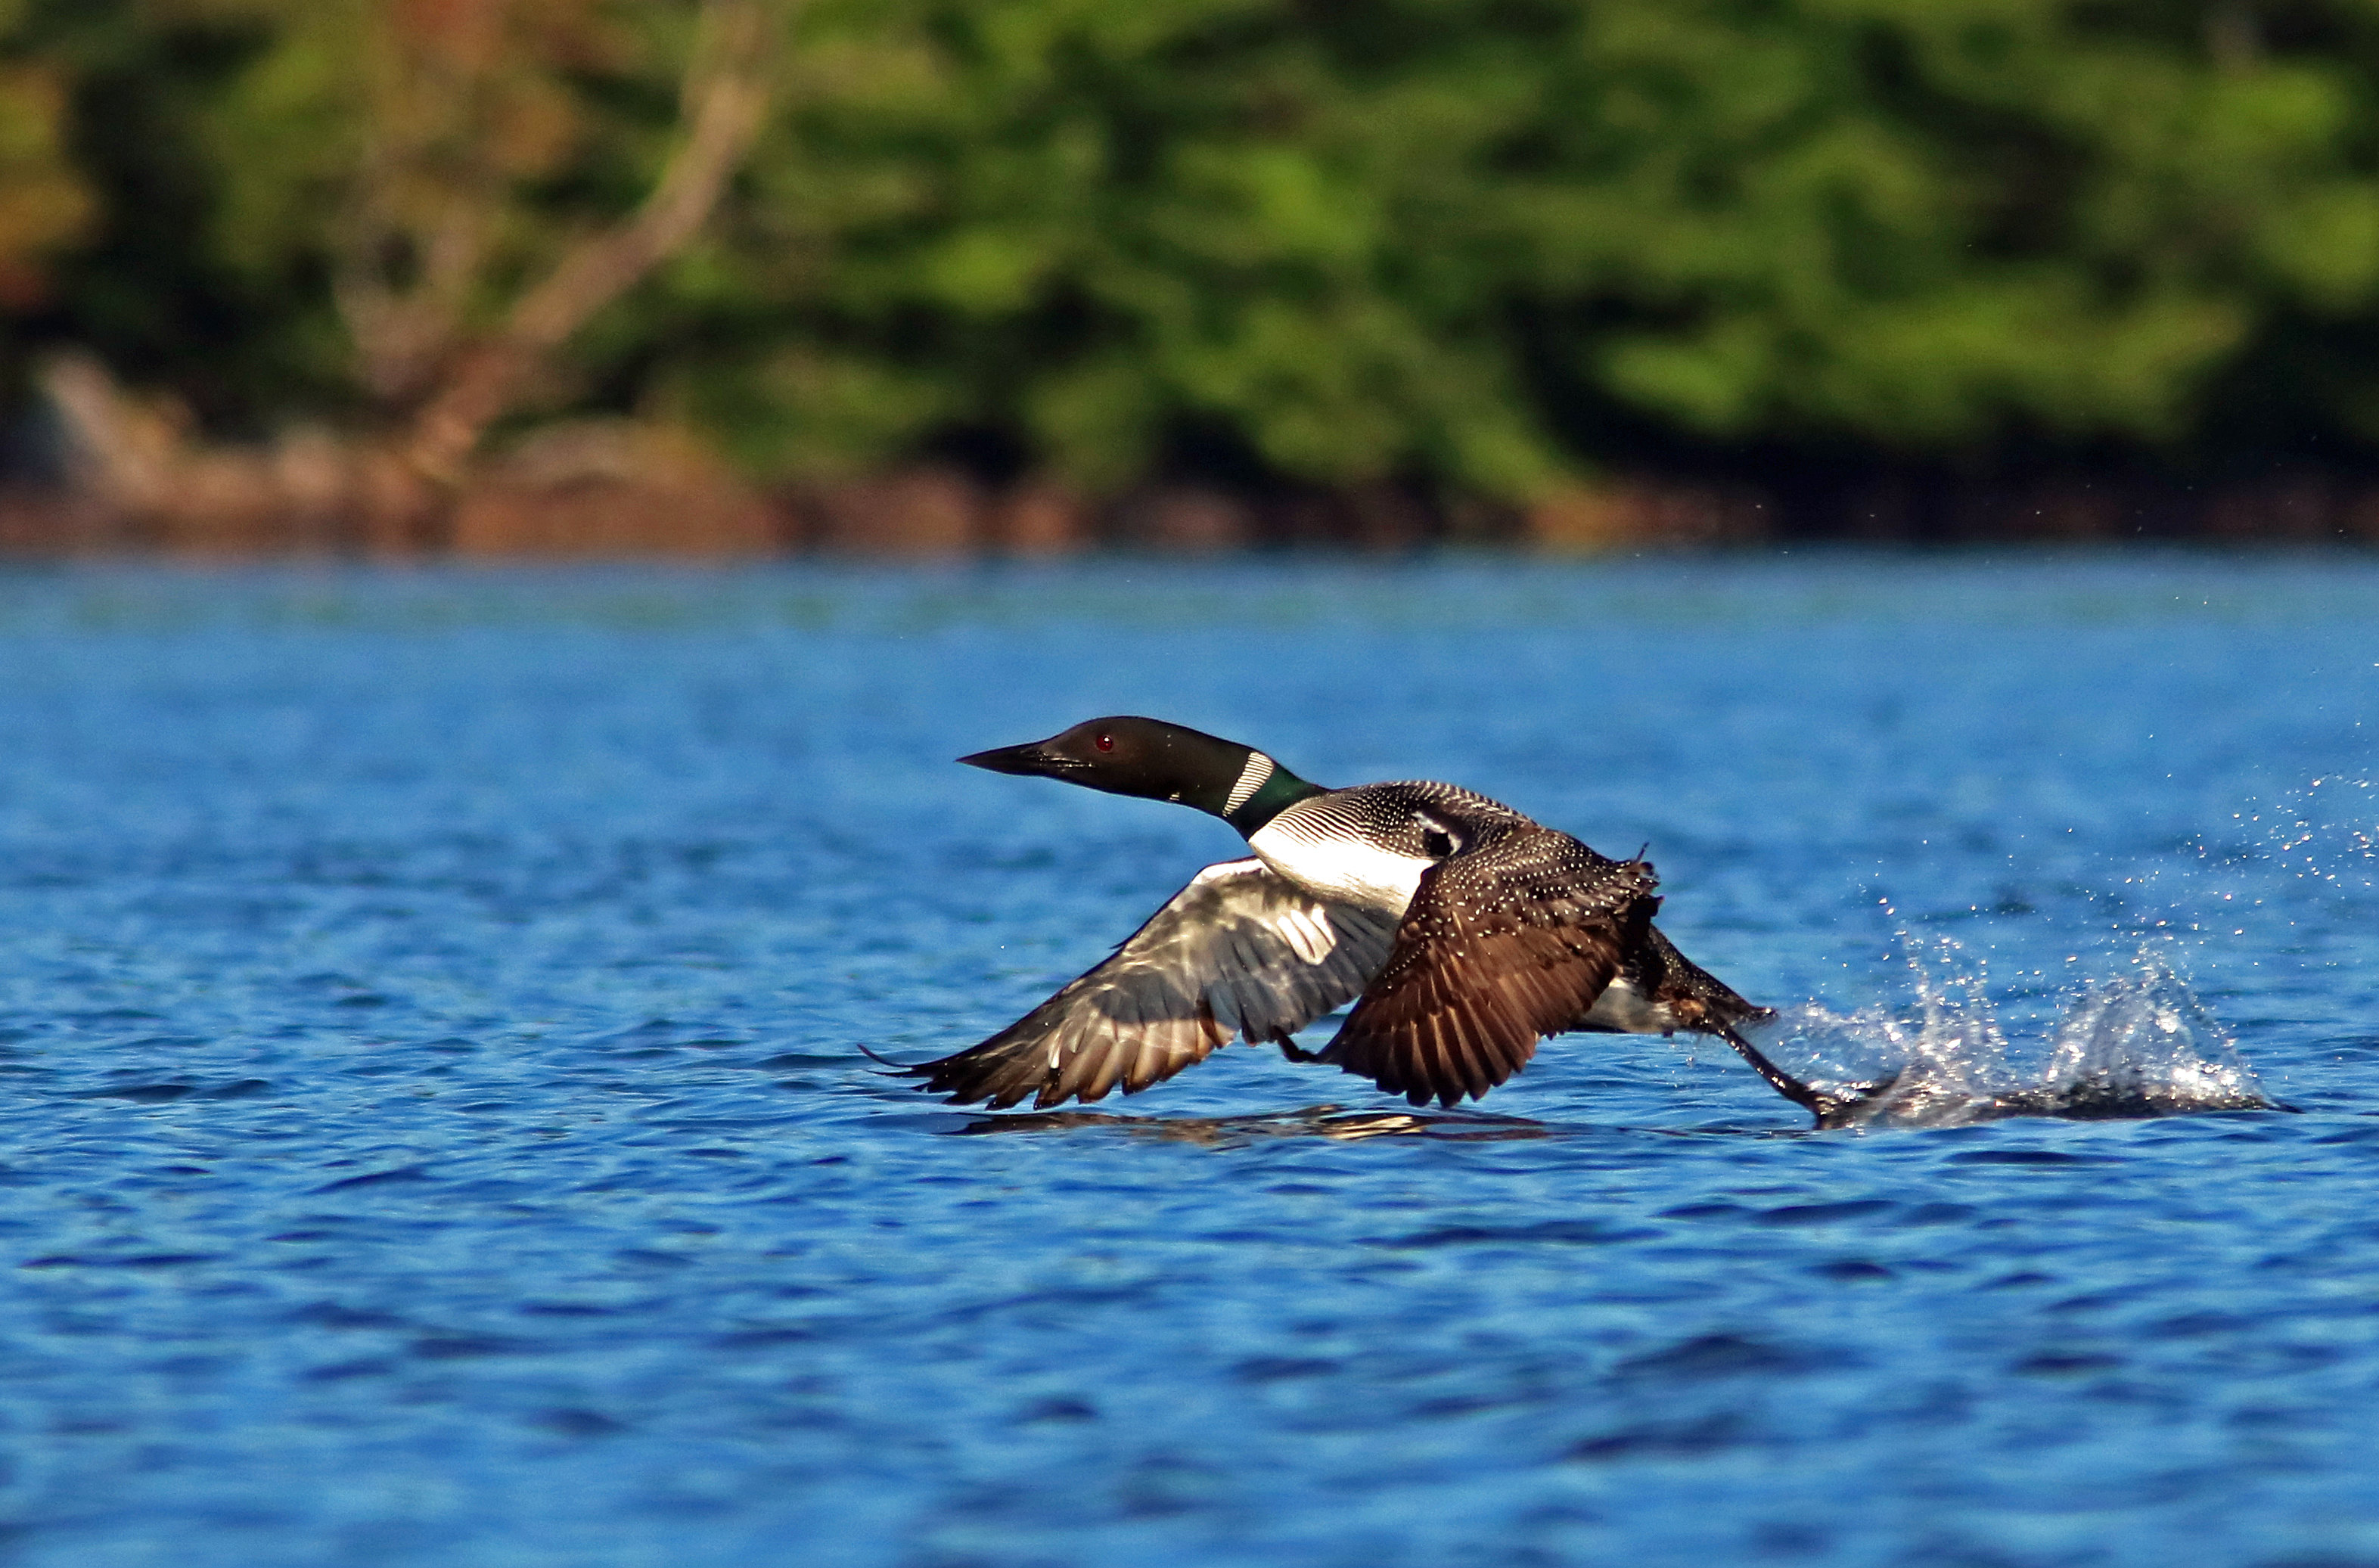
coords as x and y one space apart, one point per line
1343 869
1622 1009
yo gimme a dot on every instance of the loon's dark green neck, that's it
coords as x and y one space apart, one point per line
1278 791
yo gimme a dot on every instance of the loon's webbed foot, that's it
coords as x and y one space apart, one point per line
1832 1107
1847 1106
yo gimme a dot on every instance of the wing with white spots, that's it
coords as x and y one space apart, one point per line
1238 952
1502 945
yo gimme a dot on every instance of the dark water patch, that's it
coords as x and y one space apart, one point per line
2066 1363
2201 1325
1458 1407
1938 1213
1711 1211
336 1315
1695 1438
1804 1214
759 1338
345 1371
652 1258
120 1259
1569 1233
394 1176
474 1347
1034 1305
162 1093
1717 1356
568 1309
788 1060
2028 1157
1851 1269
574 1423
144 1093
2021 1279
1263 1370
2094 1301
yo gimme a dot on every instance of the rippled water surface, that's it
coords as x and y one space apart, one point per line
435 1131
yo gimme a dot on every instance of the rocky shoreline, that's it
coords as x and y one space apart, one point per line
942 511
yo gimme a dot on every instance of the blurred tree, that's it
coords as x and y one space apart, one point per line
1913 221
1435 236
460 186
1093 230
1477 243
446 164
43 203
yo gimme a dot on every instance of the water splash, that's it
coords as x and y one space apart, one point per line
2325 833
2304 856
2134 1044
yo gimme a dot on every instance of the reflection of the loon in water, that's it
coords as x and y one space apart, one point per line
1335 1122
2135 1046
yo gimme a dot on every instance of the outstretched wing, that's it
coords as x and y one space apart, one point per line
1240 950
1503 945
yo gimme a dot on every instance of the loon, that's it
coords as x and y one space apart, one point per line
1462 931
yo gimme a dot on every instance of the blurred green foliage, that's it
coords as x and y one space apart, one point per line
43 204
1480 242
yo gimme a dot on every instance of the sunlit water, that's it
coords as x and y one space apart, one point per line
436 1135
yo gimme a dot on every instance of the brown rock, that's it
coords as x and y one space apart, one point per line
2287 509
923 512
1644 515
1185 519
613 517
612 487
1041 519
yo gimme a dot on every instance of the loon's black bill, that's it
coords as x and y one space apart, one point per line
1033 761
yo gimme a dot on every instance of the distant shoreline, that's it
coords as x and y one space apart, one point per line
940 513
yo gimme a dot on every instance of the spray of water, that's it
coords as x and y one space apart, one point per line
2291 880
2310 852
2137 1044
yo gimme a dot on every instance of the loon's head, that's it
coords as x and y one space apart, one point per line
1124 756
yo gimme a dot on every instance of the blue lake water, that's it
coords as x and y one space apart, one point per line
435 1133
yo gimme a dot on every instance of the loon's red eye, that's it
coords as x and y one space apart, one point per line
1105 742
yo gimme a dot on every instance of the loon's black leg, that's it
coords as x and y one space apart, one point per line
1296 1053
1829 1109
